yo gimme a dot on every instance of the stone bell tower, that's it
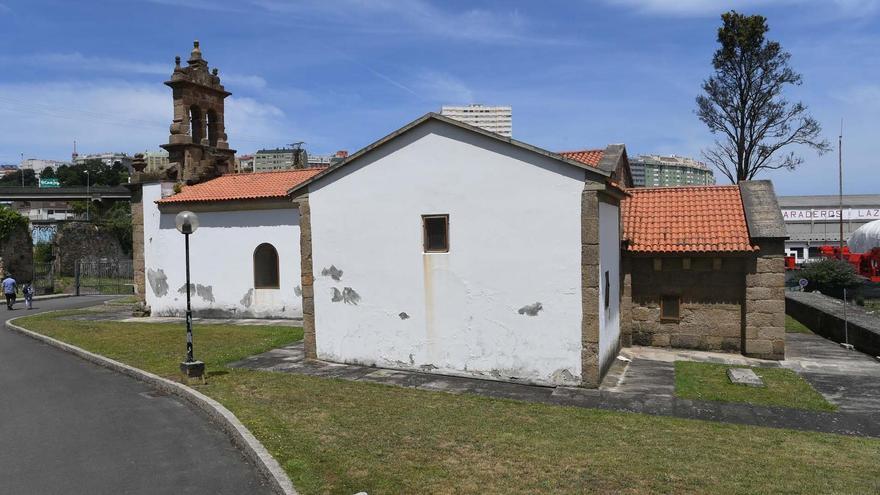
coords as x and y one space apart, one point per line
197 147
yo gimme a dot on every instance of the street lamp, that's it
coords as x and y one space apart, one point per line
187 222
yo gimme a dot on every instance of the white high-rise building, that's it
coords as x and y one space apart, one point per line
495 119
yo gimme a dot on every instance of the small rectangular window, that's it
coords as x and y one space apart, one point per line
607 289
669 308
436 233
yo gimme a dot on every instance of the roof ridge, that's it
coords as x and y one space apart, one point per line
238 174
683 188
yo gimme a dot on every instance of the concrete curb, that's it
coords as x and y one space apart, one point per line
240 436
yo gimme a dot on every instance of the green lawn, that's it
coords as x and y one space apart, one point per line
708 381
794 326
334 436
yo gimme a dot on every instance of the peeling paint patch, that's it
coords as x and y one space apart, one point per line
404 316
531 309
350 296
428 367
337 296
298 291
248 298
206 292
332 272
562 376
158 282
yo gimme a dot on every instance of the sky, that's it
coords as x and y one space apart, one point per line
340 74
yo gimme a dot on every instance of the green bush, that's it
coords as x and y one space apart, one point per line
43 252
830 276
11 221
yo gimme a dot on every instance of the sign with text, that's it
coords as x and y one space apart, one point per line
826 214
49 183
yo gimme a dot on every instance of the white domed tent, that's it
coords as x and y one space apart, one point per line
865 238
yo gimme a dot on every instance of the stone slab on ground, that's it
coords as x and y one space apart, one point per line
744 376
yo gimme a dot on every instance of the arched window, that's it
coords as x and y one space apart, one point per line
266 267
198 124
213 128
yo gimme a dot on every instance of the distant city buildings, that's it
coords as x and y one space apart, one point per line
108 158
156 160
497 119
287 158
669 171
38 165
244 163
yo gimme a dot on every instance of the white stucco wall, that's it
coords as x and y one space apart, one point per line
515 240
609 260
221 262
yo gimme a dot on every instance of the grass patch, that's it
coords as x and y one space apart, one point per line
784 388
124 301
334 436
794 326
160 347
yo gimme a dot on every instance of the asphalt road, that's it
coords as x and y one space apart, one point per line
69 426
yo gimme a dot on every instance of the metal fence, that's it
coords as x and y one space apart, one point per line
104 276
44 278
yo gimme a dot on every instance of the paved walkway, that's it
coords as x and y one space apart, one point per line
69 426
645 384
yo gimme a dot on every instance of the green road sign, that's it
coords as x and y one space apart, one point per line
49 183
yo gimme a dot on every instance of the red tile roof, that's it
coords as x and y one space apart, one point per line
696 219
232 187
589 157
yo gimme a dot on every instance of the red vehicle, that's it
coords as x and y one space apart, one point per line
866 264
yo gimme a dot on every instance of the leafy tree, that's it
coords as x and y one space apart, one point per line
830 276
92 172
743 104
14 179
48 173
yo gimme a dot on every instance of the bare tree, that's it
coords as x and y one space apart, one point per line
743 104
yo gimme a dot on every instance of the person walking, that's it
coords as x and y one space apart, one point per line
28 291
9 288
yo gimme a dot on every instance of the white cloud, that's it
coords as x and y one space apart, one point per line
443 87
43 119
411 17
695 8
107 65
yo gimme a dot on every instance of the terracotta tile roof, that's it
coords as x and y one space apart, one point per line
589 157
696 219
231 187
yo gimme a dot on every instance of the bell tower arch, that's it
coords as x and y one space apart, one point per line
198 149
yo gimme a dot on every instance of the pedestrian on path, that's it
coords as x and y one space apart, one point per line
9 288
28 291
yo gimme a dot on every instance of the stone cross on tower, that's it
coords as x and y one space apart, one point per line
197 147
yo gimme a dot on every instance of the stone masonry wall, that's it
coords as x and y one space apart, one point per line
78 240
308 279
710 309
591 375
765 302
17 255
137 238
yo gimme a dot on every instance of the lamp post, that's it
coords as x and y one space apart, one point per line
187 222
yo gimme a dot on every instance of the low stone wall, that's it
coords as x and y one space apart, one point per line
824 316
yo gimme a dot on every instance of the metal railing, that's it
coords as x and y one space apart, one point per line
104 276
